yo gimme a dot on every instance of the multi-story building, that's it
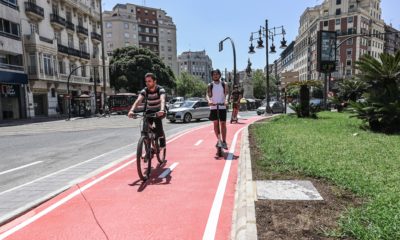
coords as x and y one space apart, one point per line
13 79
392 40
62 39
348 18
287 58
133 25
196 63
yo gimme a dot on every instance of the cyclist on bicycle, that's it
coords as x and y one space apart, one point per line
216 94
235 99
153 97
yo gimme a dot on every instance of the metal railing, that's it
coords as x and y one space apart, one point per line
54 18
82 30
70 25
31 7
96 36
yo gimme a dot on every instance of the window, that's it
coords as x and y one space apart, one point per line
109 34
351 7
57 36
169 41
147 39
154 31
72 66
350 31
155 39
70 41
348 62
338 11
83 71
108 25
61 67
82 46
349 52
127 44
348 72
126 35
170 49
32 64
34 28
126 25
338 21
325 23
48 68
338 2
349 42
147 30
9 28
162 48
350 19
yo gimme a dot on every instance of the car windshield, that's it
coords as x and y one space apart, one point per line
188 104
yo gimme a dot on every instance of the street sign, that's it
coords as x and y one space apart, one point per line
288 77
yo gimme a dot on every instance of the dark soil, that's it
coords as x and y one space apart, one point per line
283 219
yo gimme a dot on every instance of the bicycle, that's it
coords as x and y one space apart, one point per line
147 147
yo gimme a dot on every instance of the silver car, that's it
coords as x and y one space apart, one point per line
276 107
190 109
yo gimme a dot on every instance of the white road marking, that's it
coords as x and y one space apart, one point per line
212 221
62 170
168 170
198 142
21 167
75 193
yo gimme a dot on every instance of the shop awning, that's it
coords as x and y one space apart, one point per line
13 78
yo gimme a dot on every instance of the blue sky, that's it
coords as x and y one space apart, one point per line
201 24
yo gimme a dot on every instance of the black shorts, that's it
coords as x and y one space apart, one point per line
214 117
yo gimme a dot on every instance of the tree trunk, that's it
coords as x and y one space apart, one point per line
305 101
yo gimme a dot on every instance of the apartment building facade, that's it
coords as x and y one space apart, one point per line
392 40
13 80
348 18
197 63
134 25
62 39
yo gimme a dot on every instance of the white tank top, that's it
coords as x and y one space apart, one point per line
218 95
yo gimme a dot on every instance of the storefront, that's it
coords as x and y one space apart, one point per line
12 100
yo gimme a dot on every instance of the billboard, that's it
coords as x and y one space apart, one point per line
326 55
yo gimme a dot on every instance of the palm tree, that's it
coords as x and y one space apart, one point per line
382 106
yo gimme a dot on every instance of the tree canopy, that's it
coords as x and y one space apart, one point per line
130 64
188 85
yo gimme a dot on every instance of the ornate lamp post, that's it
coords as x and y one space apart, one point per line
268 33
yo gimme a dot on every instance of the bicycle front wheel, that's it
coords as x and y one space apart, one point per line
161 155
143 158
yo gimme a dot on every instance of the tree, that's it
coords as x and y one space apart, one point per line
381 108
303 108
259 84
130 64
188 85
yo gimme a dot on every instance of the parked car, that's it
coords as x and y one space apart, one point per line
276 107
175 102
190 109
316 102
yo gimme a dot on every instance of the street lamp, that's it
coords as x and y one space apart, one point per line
268 33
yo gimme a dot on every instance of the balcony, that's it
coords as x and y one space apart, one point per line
33 11
57 21
96 37
85 55
70 26
62 49
82 32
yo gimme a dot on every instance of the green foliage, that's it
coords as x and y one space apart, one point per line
188 85
334 148
381 108
303 108
350 89
130 64
259 84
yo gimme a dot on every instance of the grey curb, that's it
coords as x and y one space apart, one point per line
244 213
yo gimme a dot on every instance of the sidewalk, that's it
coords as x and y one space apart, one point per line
196 200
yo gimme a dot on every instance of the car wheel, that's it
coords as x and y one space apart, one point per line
172 121
198 120
187 118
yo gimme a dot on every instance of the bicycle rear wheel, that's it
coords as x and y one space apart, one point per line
143 160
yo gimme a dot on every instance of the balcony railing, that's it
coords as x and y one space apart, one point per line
33 8
47 40
85 55
82 30
54 18
70 25
96 36
62 48
11 67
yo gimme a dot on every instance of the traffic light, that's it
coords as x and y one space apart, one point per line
221 46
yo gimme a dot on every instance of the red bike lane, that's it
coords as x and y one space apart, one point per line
194 201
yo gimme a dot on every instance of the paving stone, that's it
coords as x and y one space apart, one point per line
287 190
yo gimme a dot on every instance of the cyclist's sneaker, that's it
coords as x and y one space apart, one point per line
224 145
